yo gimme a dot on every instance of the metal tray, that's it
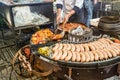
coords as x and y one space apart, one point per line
90 65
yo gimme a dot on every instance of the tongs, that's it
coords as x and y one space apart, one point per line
59 30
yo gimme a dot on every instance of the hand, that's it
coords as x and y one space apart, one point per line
66 18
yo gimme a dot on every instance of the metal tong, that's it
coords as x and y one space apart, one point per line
59 30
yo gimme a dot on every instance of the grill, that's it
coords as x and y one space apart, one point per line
82 71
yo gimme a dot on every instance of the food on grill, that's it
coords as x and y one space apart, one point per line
92 51
70 26
55 53
69 56
116 40
91 56
78 58
57 57
44 50
44 35
83 58
73 56
64 55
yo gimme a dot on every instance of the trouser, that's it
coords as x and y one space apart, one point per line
77 17
88 8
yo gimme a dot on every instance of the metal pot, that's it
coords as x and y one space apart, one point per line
110 25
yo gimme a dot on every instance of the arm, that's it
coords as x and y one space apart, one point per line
78 5
59 4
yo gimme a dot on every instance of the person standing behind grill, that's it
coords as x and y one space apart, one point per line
88 11
69 11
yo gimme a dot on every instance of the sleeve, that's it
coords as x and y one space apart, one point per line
78 5
59 3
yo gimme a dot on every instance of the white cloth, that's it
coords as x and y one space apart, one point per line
69 4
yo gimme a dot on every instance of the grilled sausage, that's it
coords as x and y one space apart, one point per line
77 47
64 55
108 40
92 48
81 48
104 41
117 48
57 57
65 46
73 47
60 47
55 54
87 56
105 54
78 58
55 47
91 56
86 48
96 56
69 47
73 56
116 51
102 44
95 46
98 44
101 56
69 56
108 53
114 54
82 56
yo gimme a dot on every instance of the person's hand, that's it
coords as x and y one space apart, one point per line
58 19
66 18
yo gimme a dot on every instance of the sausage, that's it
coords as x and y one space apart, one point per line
112 52
69 56
96 56
55 47
98 44
78 58
105 44
95 46
105 41
86 48
73 47
82 56
81 48
108 53
108 40
60 47
117 48
105 54
87 56
57 57
116 51
73 56
92 48
91 56
64 55
116 44
102 44
101 56
64 46
55 54
77 47
69 47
